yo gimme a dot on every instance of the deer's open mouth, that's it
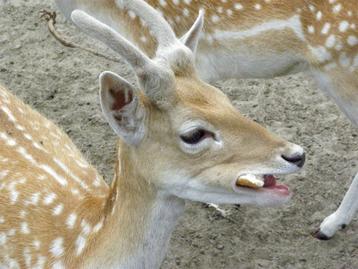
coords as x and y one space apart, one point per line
261 182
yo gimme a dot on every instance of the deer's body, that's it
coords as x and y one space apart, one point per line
259 39
262 39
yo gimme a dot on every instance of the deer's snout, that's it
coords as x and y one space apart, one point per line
298 159
295 155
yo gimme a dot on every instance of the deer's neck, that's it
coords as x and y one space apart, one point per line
139 222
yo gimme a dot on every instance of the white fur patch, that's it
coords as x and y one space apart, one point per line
293 23
80 244
71 220
56 247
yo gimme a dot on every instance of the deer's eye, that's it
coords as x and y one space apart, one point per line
196 136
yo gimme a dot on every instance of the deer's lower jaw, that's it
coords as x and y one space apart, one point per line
261 183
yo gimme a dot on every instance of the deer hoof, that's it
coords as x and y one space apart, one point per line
320 235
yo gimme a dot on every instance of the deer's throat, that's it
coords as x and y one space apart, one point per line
139 220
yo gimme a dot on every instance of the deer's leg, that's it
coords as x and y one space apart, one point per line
343 87
343 215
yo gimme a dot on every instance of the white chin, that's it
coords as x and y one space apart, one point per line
242 196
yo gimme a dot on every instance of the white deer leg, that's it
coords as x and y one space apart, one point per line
343 215
343 88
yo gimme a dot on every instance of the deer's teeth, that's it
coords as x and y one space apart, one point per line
250 181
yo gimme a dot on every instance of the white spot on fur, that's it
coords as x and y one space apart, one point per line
337 8
23 214
82 164
98 227
36 244
352 40
69 172
40 264
258 7
343 26
330 41
215 18
163 3
325 29
3 239
13 196
86 228
56 247
319 15
132 15
62 181
25 228
19 127
310 29
75 191
312 8
8 140
238 6
49 198
71 220
27 257
8 113
57 210
26 155
80 244
34 200
186 12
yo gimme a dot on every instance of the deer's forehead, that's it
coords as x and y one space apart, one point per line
192 92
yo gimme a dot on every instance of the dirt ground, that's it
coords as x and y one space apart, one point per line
62 84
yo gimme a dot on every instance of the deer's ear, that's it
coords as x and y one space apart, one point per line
192 37
121 107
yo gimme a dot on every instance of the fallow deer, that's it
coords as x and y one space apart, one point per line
179 139
261 39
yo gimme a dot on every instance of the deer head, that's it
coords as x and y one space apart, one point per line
183 136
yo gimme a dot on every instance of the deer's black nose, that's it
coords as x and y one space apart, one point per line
298 160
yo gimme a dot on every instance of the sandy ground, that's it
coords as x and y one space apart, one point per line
62 84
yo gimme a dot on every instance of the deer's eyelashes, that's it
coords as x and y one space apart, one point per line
196 136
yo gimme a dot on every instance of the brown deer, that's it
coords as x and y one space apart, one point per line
180 138
260 39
